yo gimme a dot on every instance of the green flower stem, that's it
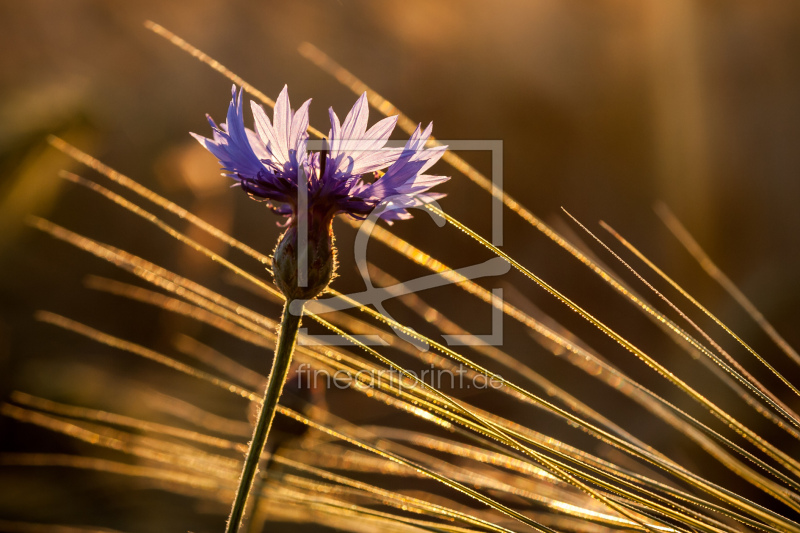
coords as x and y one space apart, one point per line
290 323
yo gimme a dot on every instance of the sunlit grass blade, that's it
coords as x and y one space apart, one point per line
738 373
446 326
104 338
763 391
692 246
189 413
322 60
172 454
393 498
105 417
311 494
216 65
216 360
358 518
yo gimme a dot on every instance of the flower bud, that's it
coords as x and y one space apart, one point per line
320 263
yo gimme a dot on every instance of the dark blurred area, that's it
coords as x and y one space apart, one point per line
603 107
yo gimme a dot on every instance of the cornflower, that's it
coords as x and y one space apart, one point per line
273 164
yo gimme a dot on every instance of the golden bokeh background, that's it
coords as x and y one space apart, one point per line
603 107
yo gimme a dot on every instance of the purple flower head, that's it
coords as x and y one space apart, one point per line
271 162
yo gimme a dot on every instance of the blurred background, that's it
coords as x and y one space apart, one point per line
604 108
